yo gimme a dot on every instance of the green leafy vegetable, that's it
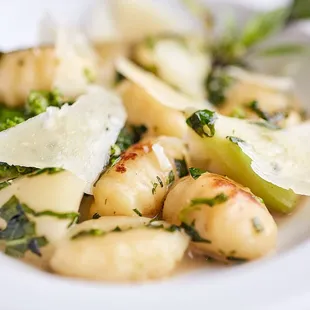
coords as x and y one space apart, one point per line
11 122
196 172
181 167
202 122
217 84
19 235
299 9
262 26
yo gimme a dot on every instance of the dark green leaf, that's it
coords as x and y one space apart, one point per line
19 234
262 26
217 84
154 188
192 232
218 199
284 49
181 167
137 212
87 233
235 140
238 260
96 216
160 182
202 122
45 170
299 9
196 172
170 178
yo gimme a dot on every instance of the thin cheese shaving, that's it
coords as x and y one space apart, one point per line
77 138
278 156
159 90
76 63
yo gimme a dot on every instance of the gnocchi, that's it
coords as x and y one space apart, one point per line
151 166
119 249
231 222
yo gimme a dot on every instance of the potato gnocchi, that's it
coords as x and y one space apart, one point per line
159 142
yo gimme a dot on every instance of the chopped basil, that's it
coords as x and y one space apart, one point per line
91 232
257 225
96 216
196 172
160 181
238 260
196 202
8 171
45 170
160 225
170 178
191 231
181 167
273 118
217 84
202 122
154 188
73 216
19 235
235 140
6 183
218 199
137 212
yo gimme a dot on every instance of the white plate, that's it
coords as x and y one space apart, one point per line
278 282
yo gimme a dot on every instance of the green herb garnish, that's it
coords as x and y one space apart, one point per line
237 260
44 170
202 122
191 231
196 172
181 167
91 232
217 84
154 188
218 199
235 140
170 178
96 216
19 236
160 182
137 212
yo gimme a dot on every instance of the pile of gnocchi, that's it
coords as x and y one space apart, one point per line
120 158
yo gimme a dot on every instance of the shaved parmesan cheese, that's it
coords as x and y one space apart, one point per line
77 138
76 63
162 92
272 163
282 84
